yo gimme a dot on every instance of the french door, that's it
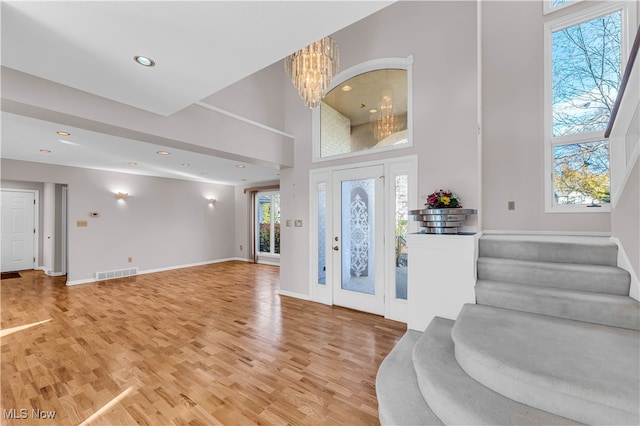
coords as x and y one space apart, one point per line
357 239
358 229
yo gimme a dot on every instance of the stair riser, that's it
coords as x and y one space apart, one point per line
614 281
456 398
625 315
542 251
581 371
400 401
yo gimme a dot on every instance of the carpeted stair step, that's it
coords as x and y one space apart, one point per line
586 372
399 399
458 399
569 276
584 250
598 308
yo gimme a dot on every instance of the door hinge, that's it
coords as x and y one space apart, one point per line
34 230
34 201
34 260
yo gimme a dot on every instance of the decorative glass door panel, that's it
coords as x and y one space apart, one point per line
358 236
358 230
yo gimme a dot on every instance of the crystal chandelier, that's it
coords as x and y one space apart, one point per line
385 123
312 68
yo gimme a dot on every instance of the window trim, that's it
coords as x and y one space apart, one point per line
340 78
547 8
628 18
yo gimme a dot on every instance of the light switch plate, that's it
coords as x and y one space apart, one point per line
298 223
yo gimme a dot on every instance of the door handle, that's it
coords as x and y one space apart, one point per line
336 248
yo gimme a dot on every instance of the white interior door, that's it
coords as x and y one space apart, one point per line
18 230
358 239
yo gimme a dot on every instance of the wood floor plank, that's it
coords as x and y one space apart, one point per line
209 345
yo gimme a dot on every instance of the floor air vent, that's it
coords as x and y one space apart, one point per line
118 273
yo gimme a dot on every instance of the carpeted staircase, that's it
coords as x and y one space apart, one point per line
553 339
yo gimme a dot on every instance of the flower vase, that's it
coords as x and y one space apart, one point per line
442 220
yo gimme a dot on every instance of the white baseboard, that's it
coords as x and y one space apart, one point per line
49 273
187 265
168 268
294 294
625 263
546 233
262 262
77 282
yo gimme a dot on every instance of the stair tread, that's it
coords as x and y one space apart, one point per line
576 276
399 399
573 249
599 308
571 239
579 295
579 370
552 265
457 398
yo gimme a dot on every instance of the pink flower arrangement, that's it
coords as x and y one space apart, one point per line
442 199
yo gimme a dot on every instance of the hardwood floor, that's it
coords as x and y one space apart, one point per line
207 345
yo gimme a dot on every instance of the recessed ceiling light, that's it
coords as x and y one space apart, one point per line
347 88
204 173
162 153
240 166
63 133
244 180
144 61
131 163
45 151
186 164
373 111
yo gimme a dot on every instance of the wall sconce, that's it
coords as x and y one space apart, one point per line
212 200
122 196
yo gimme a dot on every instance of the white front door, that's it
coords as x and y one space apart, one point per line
17 234
358 239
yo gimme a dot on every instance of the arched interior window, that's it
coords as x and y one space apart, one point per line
368 108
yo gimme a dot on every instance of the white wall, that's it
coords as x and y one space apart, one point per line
258 97
164 222
442 38
512 125
625 219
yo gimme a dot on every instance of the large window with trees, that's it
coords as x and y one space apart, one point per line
268 223
584 63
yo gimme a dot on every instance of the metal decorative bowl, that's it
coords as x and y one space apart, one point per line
442 221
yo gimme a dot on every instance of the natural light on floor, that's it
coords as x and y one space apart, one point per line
108 406
8 331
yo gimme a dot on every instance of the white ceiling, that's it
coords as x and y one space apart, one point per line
199 47
84 148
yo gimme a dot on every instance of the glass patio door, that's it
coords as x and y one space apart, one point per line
358 238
